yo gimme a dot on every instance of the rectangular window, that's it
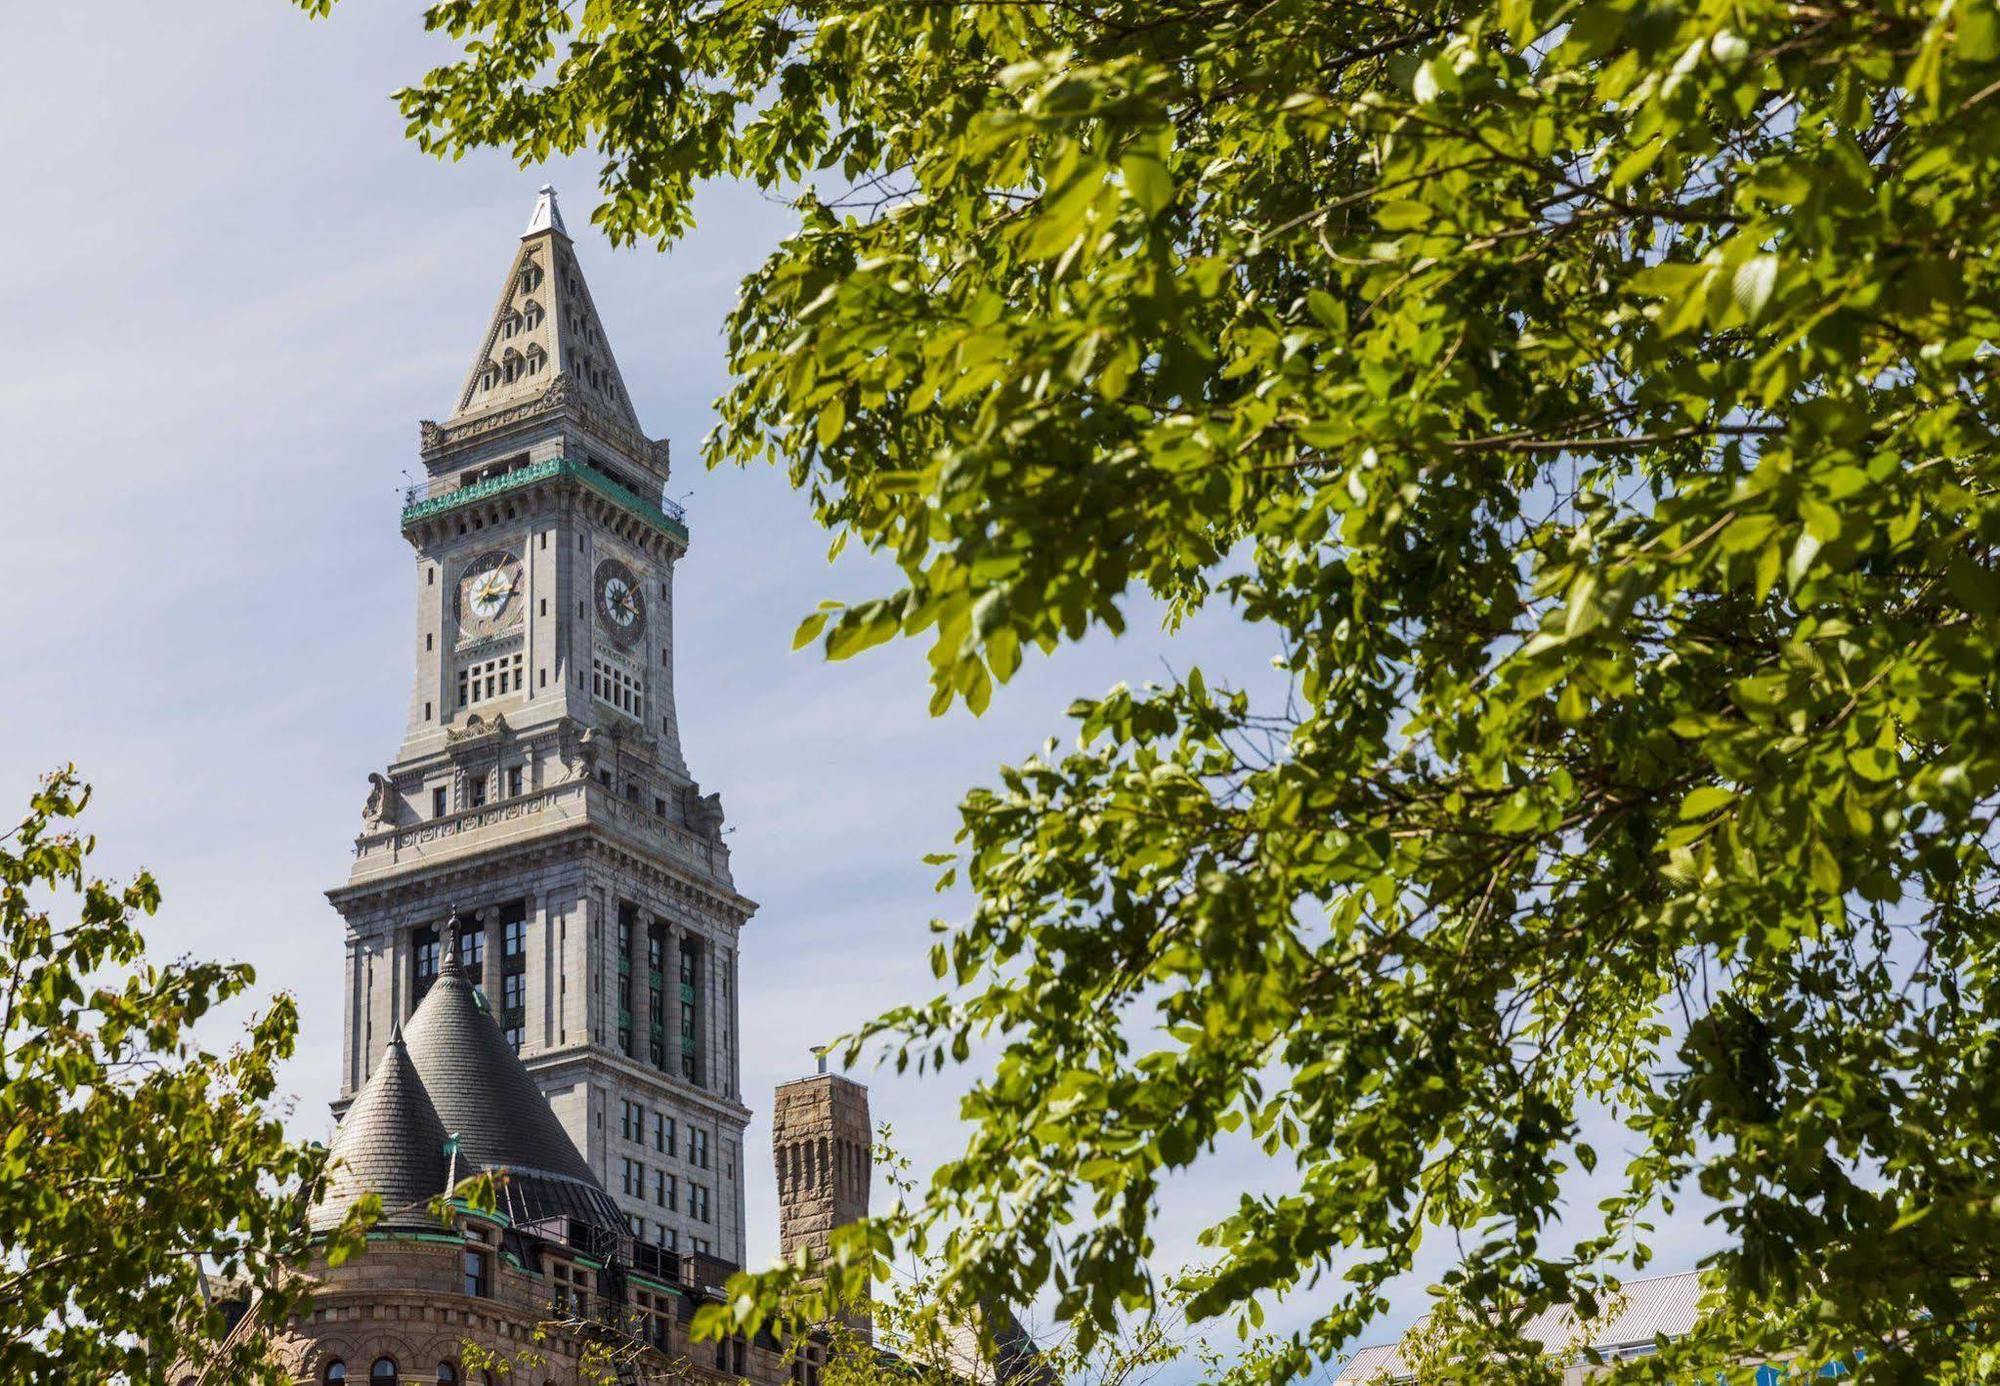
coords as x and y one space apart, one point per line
514 939
698 1147
615 686
663 1134
438 802
425 943
472 946
478 1282
664 1189
633 1127
698 1202
515 1034
665 1237
701 1246
655 954
635 1179
513 991
476 791
659 807
492 678
513 781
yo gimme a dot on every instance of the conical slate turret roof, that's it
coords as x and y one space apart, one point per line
483 1093
391 1143
451 1075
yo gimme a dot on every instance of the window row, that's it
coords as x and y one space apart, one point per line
633 1127
385 1371
664 1189
514 778
512 366
526 320
622 690
490 679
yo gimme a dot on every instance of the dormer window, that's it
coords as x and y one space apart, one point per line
489 376
531 277
535 359
512 367
510 324
531 315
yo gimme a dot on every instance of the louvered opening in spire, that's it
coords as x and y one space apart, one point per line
544 326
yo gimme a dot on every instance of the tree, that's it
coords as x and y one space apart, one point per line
1595 404
917 1336
136 1169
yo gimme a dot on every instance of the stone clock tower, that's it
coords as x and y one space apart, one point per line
539 813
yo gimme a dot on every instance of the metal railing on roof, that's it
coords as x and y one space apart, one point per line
421 503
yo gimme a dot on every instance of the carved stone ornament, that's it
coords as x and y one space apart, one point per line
380 811
476 727
702 811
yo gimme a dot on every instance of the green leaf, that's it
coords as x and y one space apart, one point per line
1147 180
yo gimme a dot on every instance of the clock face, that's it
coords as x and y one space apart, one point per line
489 594
621 606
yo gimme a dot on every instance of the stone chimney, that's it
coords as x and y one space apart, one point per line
821 1141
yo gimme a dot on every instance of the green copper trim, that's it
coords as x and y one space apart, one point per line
543 471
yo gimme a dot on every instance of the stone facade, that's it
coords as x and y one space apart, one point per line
410 1300
541 790
820 1145
541 973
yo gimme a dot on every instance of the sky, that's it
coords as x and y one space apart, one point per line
235 287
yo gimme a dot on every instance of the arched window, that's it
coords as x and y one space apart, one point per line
335 1373
383 1373
531 275
512 368
447 1374
535 359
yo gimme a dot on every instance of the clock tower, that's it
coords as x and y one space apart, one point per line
539 817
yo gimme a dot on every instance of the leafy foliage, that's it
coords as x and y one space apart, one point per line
137 1171
1595 404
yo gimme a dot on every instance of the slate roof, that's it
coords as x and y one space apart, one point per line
452 1073
1663 1306
391 1143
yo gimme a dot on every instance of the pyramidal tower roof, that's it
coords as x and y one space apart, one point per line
545 326
392 1143
451 1075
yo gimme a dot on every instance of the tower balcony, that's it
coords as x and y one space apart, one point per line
425 501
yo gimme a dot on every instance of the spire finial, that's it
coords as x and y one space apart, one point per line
546 216
396 1035
448 965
